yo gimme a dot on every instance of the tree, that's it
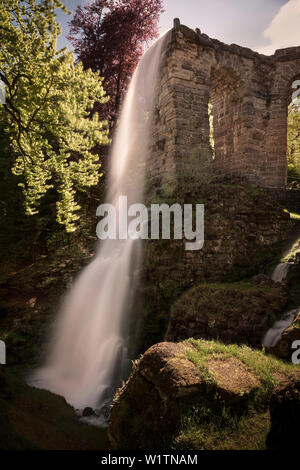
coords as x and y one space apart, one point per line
109 36
48 101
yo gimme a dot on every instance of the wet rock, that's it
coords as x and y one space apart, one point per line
285 414
284 348
88 412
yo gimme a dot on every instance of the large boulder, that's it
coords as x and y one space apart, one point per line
238 312
216 382
285 414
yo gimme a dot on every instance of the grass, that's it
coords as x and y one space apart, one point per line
265 366
295 215
247 433
290 255
216 425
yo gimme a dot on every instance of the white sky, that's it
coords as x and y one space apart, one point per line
262 25
284 29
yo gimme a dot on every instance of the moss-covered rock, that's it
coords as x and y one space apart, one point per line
238 312
200 389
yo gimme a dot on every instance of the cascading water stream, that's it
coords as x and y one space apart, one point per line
280 272
273 335
88 353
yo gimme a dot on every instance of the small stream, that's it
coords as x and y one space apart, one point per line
273 335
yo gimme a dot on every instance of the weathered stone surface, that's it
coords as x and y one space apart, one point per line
249 93
171 373
284 349
232 377
243 229
240 223
162 379
285 414
234 313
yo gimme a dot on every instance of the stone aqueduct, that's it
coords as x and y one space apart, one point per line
249 93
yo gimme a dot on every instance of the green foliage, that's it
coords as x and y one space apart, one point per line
47 114
293 172
170 289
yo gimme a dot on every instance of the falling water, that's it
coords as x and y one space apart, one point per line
88 354
280 272
273 335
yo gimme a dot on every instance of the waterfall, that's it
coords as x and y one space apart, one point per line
273 335
280 272
88 353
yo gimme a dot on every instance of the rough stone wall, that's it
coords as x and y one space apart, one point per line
245 230
249 93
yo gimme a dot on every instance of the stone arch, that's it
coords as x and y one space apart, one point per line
291 90
225 97
250 110
283 75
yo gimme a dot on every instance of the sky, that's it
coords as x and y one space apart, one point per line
262 25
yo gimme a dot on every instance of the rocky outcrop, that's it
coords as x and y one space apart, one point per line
284 348
234 313
171 381
285 414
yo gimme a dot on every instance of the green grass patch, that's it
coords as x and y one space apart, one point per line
213 424
223 432
264 366
293 215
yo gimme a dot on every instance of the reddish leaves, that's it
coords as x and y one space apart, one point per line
109 36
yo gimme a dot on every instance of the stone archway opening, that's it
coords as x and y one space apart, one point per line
293 133
224 123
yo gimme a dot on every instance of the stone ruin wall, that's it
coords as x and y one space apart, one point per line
250 94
